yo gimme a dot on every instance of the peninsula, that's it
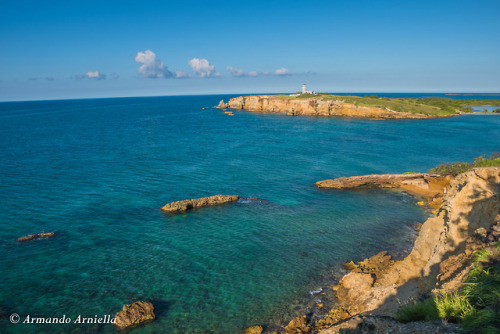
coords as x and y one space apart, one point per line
371 107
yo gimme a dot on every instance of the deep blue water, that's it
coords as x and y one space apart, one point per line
98 171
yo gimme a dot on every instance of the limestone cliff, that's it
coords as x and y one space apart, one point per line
471 201
313 107
469 208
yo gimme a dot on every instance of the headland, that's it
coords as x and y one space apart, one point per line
370 107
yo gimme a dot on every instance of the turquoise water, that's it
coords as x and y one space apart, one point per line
97 172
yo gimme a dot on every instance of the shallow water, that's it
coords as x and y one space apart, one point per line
97 172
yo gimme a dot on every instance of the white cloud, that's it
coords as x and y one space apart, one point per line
202 68
282 72
150 66
236 72
95 75
181 75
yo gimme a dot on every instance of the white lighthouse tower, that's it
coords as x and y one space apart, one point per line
304 90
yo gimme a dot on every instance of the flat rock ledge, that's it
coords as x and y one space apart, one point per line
134 314
188 204
42 235
431 187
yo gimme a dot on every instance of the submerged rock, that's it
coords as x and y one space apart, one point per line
134 314
188 204
36 236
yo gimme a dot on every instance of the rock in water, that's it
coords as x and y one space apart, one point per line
188 204
36 236
253 330
134 314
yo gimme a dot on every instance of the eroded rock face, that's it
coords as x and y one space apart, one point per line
472 202
313 107
134 314
36 236
188 204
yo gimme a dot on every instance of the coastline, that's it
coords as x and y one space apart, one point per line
375 287
316 106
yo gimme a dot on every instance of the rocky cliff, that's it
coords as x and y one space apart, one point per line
313 107
468 218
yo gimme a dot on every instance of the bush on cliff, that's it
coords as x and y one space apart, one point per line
461 167
476 307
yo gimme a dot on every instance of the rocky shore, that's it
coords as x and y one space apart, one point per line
314 107
466 218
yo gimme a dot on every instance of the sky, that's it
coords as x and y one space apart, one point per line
92 49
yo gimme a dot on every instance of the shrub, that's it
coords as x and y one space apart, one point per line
462 167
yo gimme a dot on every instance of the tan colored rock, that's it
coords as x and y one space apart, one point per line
452 265
353 286
254 330
313 107
134 314
36 236
298 325
188 204
422 184
376 264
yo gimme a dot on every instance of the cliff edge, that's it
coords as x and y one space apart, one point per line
467 218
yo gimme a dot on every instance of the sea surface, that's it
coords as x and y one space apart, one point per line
98 171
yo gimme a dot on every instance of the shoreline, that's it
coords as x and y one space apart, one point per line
376 286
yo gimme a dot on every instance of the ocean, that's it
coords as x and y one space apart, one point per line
97 172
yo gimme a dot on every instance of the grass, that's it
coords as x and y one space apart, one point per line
476 307
429 106
462 167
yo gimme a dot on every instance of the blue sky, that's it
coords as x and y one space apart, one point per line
85 49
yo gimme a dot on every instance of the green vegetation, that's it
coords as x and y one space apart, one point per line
429 106
462 167
476 307
497 110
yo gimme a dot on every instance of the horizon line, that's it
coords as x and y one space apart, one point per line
279 93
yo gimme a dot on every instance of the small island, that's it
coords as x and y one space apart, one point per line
309 103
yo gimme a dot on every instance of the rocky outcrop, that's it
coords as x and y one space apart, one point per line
188 204
134 314
467 219
42 235
429 186
253 330
472 202
313 107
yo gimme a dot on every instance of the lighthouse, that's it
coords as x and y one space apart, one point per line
304 90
